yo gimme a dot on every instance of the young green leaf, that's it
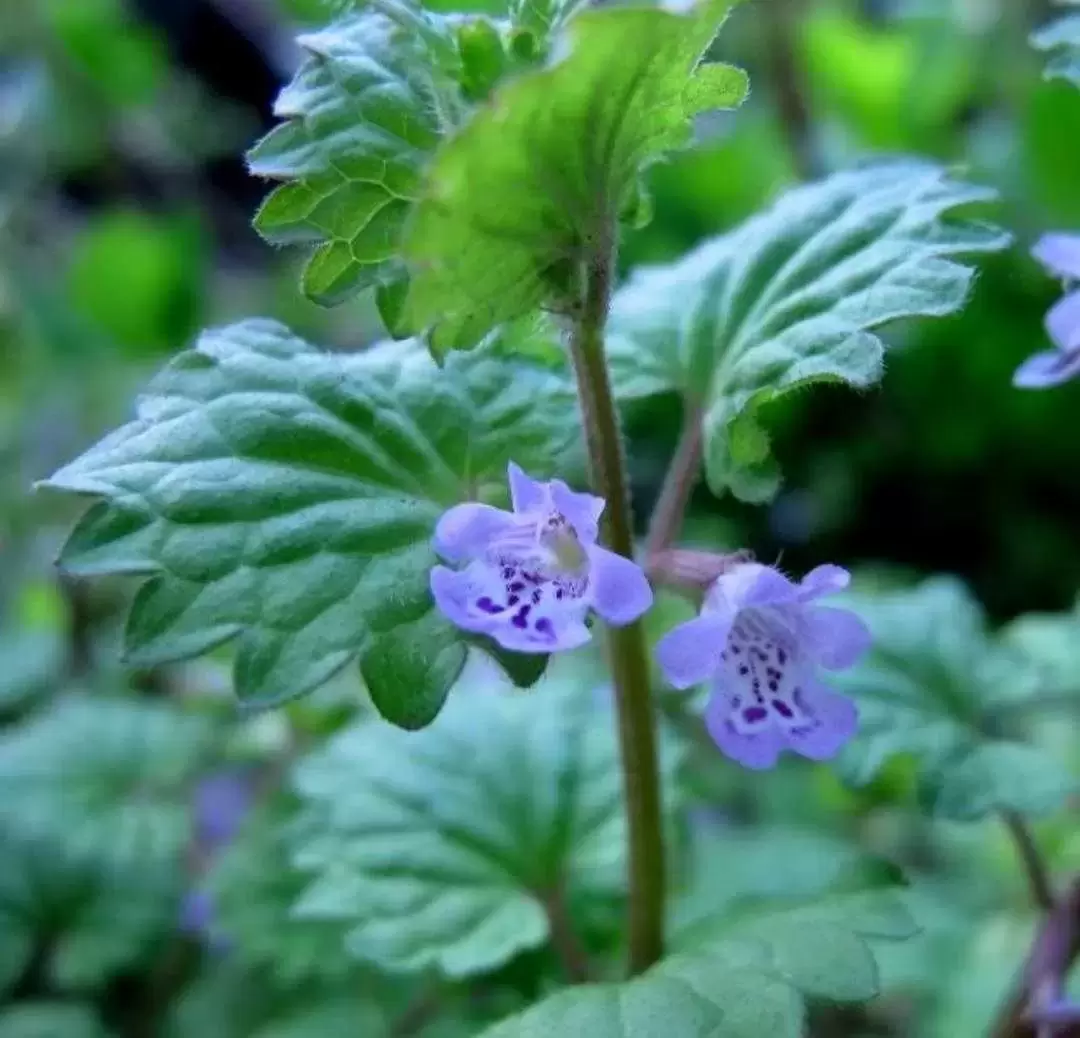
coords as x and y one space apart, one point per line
285 497
526 192
748 981
107 781
790 298
445 848
1061 38
1051 641
937 686
367 108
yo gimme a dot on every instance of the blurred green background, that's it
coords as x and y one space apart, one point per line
124 228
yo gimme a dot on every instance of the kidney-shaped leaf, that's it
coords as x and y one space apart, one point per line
792 297
937 686
285 497
445 848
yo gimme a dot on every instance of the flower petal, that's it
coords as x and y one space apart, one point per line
1059 254
755 585
559 633
691 653
465 531
621 593
526 493
823 580
1048 368
462 594
835 638
833 720
1063 322
753 747
581 510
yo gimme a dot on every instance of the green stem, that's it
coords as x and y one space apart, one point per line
1038 875
626 645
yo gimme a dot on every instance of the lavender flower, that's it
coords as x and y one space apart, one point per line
531 576
1060 255
759 639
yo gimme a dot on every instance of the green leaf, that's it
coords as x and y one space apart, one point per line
106 781
441 848
253 887
937 686
87 922
773 862
793 297
521 196
50 1020
640 1009
1061 38
747 982
376 93
285 498
1052 642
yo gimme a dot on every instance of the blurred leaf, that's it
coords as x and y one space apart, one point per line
518 198
1052 643
230 1002
638 1009
745 983
790 298
286 497
87 922
378 89
253 887
138 278
774 862
442 848
31 663
107 781
50 1020
1061 38
118 54
934 685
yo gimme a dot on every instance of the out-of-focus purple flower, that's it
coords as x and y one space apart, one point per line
221 802
759 639
1060 255
531 576
1058 1013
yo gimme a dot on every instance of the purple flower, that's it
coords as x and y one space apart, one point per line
1060 255
759 639
531 576
221 802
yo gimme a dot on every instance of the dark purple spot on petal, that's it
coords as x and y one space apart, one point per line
774 686
488 606
781 656
520 619
513 600
543 626
516 587
537 595
507 573
783 709
755 714
532 578
744 670
735 648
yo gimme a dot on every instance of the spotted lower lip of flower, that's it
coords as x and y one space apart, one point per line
759 640
530 577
